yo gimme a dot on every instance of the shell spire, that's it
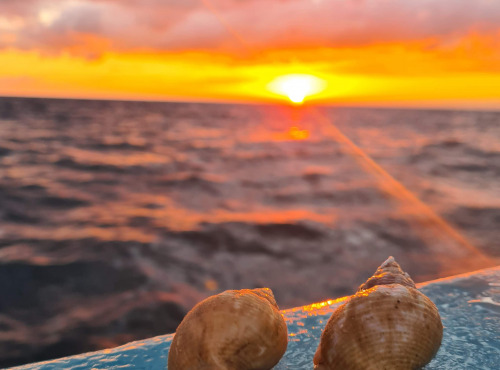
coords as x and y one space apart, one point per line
267 294
388 273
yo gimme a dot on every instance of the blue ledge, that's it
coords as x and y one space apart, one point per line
469 305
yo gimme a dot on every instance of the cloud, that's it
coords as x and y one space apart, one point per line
13 8
237 26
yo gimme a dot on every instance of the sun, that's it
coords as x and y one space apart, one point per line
296 86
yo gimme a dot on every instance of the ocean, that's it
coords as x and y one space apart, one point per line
117 217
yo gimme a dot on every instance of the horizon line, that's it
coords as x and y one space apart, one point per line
312 102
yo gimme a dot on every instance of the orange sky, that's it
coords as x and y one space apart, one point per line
437 53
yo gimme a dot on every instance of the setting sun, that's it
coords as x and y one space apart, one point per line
297 86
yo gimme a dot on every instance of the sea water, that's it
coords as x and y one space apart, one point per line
117 217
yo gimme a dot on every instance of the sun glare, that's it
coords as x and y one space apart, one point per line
297 86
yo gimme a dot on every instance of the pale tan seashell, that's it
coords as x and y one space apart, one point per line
387 325
234 330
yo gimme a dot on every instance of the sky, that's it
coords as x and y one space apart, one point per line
415 53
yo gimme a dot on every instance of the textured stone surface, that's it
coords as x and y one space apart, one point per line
469 305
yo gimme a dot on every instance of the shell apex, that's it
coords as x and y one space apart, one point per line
388 272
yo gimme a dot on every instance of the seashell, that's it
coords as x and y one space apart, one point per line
388 324
234 330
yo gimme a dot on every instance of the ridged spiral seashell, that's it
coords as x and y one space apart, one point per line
387 325
234 330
